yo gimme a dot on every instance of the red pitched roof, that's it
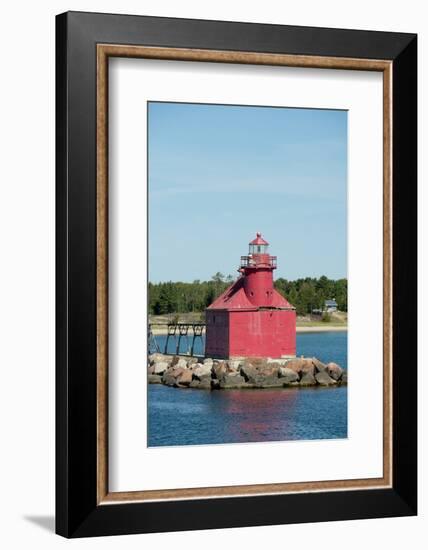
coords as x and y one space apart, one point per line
259 239
234 298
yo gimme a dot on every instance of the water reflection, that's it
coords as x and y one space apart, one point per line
257 414
195 417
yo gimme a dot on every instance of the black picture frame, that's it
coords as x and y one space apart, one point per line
77 512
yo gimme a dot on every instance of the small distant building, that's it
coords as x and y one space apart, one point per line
330 306
250 318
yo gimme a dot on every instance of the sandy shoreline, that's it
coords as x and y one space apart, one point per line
337 328
159 331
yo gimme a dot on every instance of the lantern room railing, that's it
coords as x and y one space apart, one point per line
258 261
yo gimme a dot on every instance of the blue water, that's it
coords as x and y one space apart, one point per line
197 417
326 346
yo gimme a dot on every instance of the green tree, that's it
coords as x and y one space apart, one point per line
341 294
307 297
167 302
305 294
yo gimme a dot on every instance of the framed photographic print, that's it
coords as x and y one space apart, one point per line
236 274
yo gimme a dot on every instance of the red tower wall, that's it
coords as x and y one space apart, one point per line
258 285
217 333
263 333
258 281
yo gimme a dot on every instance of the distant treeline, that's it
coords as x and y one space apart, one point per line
305 294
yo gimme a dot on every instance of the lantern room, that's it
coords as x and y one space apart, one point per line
258 245
251 318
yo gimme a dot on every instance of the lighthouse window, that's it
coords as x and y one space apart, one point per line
258 248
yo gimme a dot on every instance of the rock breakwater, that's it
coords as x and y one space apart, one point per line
250 373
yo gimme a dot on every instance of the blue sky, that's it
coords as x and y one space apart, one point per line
219 173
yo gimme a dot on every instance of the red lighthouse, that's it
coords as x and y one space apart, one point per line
250 318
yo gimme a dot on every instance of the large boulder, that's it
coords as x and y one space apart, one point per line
344 378
268 377
301 366
319 366
334 371
234 364
288 376
203 384
157 358
269 370
323 379
170 376
174 360
185 378
248 371
200 371
229 368
257 362
168 379
232 380
251 375
295 364
219 369
181 363
160 367
262 375
154 379
308 379
308 367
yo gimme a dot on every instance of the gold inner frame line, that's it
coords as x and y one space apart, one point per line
104 51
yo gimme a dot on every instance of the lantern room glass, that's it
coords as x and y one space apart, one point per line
258 249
